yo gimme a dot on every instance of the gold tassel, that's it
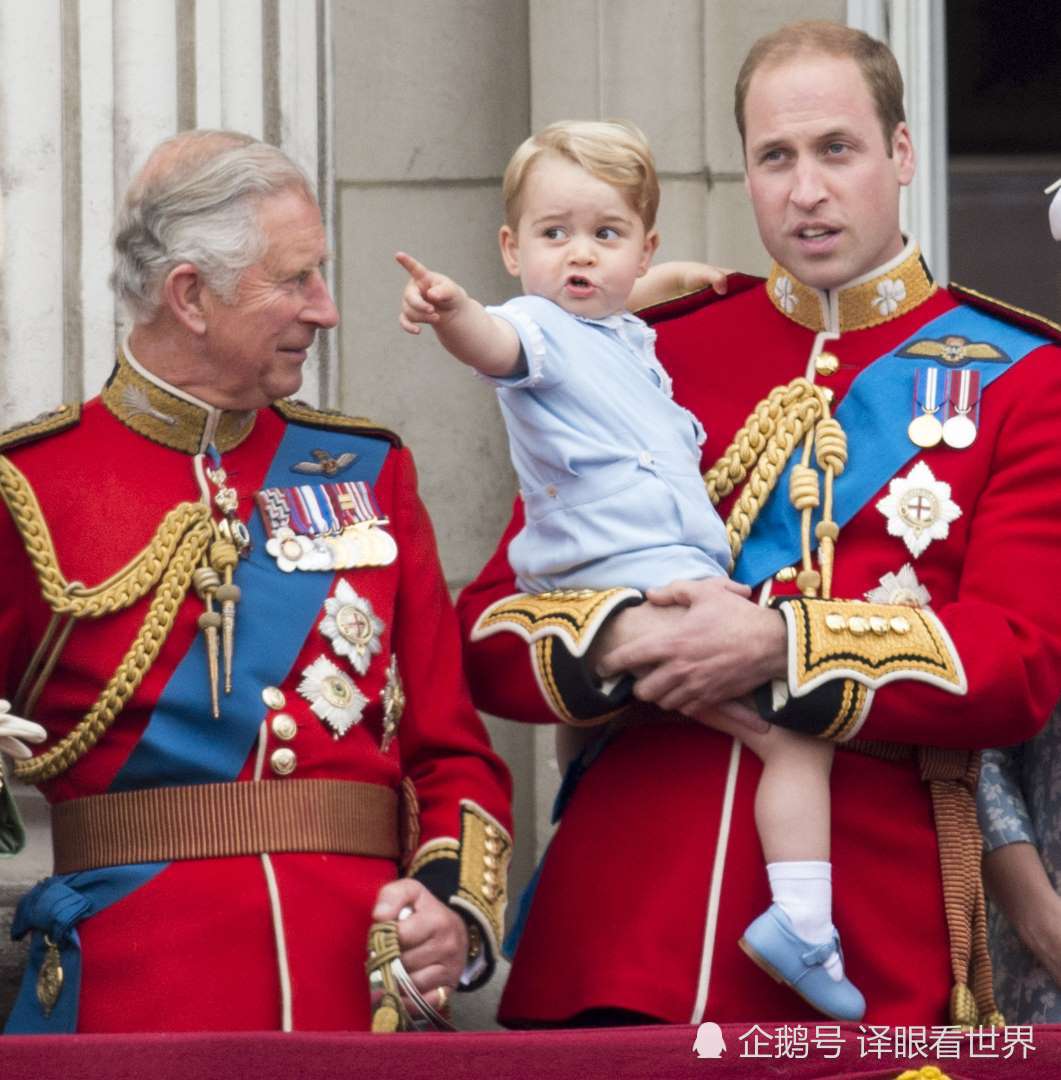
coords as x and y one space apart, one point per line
206 581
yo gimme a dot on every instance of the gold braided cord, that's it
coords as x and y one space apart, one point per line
167 562
759 453
767 468
138 659
122 589
732 467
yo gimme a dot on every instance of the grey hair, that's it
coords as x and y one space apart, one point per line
197 200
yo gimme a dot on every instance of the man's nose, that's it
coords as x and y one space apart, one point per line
808 185
320 308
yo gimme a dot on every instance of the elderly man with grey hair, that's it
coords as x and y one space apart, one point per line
225 609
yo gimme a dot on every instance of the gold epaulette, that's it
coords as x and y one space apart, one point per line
300 412
1029 320
48 423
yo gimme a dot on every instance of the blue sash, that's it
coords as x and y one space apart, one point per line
877 409
182 743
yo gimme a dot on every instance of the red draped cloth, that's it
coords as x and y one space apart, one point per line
811 1051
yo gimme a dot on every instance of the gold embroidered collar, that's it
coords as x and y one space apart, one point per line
885 293
169 416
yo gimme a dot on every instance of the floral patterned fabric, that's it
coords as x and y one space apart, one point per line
1018 801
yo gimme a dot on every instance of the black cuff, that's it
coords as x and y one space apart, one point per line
578 687
441 878
828 712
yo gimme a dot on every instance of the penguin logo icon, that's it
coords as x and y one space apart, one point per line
709 1042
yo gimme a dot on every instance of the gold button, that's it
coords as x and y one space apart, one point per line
878 624
900 625
826 364
828 393
489 877
495 847
489 862
475 942
284 726
273 697
492 833
857 625
551 491
835 622
490 892
786 574
283 761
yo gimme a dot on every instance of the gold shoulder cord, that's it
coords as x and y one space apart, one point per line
167 562
759 453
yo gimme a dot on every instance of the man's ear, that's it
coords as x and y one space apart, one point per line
651 245
506 238
186 295
903 154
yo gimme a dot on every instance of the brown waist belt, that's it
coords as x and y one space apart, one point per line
205 821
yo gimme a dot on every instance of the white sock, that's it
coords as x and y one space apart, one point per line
803 891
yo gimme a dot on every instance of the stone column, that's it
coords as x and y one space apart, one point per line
89 87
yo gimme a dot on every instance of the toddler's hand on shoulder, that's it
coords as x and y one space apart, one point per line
427 296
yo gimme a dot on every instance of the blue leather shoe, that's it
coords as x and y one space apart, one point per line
772 943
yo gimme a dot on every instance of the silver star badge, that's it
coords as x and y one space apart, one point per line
332 695
352 627
900 588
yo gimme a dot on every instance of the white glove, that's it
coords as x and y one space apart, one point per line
13 729
1055 209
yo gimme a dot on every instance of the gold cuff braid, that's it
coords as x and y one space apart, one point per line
485 852
873 644
850 714
573 615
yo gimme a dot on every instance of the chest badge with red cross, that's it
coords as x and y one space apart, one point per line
919 509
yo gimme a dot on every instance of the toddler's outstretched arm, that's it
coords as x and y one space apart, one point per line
665 281
463 327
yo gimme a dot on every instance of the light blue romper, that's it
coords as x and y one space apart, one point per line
608 463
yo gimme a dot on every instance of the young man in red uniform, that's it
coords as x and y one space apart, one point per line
893 498
226 610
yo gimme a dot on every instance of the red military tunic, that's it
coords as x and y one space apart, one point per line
249 941
656 869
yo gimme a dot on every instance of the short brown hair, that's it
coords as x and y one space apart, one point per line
874 59
614 151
